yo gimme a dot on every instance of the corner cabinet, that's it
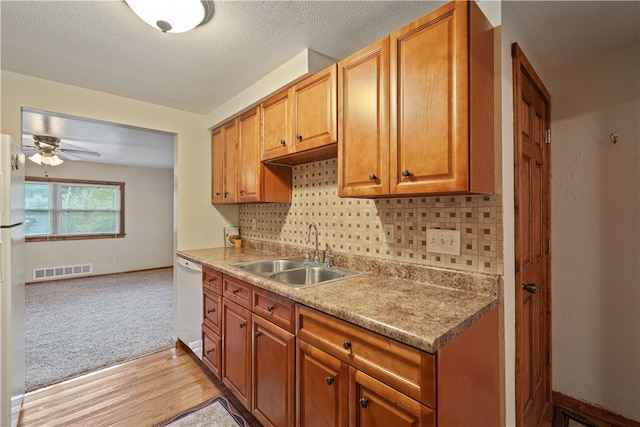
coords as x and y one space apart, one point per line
237 174
439 104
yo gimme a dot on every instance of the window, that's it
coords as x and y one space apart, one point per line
73 209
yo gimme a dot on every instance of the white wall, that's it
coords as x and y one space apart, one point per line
596 230
197 224
148 222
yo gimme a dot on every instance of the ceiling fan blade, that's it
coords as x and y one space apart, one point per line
67 156
30 148
83 152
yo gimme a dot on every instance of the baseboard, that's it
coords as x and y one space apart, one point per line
91 276
594 414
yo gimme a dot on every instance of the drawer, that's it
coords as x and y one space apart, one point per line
398 365
275 308
211 350
237 291
212 305
212 280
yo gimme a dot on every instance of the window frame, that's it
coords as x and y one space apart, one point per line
48 238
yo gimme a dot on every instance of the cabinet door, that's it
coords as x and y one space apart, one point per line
363 118
273 364
429 104
276 126
249 165
322 384
315 110
217 168
376 404
229 174
236 350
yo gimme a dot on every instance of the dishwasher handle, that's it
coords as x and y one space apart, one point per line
189 264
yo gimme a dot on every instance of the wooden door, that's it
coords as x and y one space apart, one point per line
374 404
273 364
212 303
363 120
277 138
315 110
230 153
249 165
217 168
322 384
532 237
211 346
236 350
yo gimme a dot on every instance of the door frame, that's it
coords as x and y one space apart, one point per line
520 62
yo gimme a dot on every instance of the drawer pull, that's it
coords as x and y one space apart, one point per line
363 402
270 308
283 142
211 310
257 334
299 137
210 350
329 380
243 324
346 345
235 291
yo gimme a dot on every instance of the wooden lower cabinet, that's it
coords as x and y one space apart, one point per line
211 350
273 365
236 350
322 384
373 403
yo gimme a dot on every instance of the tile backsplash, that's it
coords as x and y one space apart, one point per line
355 226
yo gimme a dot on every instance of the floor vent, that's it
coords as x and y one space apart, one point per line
64 271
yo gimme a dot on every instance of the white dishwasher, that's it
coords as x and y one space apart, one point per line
188 307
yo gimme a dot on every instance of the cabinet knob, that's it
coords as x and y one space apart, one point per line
235 291
211 310
270 308
405 172
210 350
226 193
346 345
257 334
532 288
241 191
283 142
299 137
329 380
372 176
364 402
243 324
217 193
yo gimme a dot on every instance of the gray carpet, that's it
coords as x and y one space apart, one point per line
77 326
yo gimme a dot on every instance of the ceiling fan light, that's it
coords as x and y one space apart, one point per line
51 160
172 16
36 158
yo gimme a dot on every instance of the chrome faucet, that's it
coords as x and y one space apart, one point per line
316 258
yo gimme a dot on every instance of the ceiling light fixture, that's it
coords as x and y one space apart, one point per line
46 159
173 16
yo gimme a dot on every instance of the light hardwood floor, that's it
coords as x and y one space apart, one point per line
141 392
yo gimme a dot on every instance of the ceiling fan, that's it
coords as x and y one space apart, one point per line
48 151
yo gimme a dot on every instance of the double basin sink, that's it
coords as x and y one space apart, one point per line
295 273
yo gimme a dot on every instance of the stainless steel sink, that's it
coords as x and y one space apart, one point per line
295 273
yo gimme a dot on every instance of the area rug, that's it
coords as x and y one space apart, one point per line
73 327
564 418
216 412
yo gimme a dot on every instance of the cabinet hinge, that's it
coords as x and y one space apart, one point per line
548 357
548 246
548 137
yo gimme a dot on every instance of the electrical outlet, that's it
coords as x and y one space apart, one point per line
443 241
253 223
389 234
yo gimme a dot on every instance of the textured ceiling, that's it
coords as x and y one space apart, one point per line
102 45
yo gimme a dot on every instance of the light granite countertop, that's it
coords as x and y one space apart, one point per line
417 313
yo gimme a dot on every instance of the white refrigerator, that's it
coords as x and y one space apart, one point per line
12 278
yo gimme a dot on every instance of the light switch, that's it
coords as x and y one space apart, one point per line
443 241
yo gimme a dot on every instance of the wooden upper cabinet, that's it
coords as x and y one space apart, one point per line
217 166
314 110
277 134
229 162
300 124
441 103
249 166
363 121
